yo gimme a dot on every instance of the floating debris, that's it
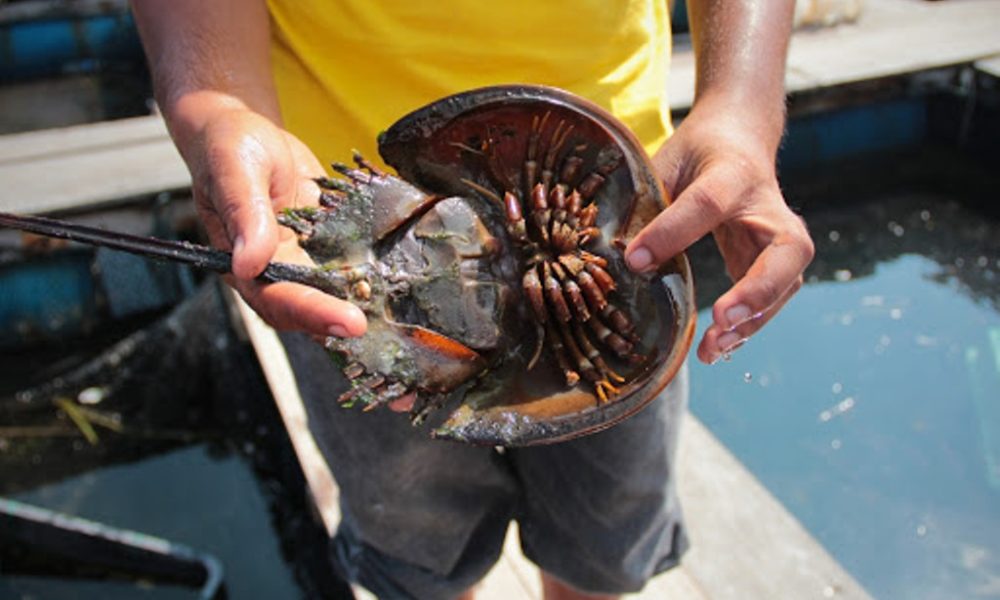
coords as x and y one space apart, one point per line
92 395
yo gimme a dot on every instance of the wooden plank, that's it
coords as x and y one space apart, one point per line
892 37
744 543
898 36
281 380
22 147
97 169
990 66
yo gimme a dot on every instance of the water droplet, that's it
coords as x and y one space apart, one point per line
825 416
846 404
896 229
834 236
921 530
925 215
842 275
836 444
959 262
764 381
982 261
829 592
896 314
837 387
748 377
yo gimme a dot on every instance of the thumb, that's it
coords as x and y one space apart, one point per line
240 192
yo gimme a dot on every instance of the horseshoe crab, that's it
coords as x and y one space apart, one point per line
491 269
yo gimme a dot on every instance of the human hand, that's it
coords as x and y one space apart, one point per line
719 167
244 169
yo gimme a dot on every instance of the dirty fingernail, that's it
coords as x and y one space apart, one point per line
639 259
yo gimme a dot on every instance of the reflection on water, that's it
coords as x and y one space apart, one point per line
203 499
182 442
870 406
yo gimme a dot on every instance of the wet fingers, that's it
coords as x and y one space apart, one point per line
294 307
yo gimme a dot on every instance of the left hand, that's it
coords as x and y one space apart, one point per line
721 173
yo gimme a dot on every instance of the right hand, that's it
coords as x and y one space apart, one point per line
244 169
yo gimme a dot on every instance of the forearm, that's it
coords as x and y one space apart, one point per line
205 57
740 52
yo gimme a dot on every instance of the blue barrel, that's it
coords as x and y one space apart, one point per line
47 47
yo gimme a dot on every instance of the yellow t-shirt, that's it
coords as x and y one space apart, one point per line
347 70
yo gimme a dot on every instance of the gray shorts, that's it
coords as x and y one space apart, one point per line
427 519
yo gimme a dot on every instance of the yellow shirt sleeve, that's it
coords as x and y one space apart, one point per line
346 70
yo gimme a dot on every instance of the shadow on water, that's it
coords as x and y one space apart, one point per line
168 430
868 407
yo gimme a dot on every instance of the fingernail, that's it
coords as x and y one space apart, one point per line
337 331
727 342
737 315
639 259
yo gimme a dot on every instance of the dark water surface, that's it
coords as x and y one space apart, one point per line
206 500
871 406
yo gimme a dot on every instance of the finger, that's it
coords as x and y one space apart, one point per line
240 195
776 269
668 163
295 185
718 342
698 210
290 306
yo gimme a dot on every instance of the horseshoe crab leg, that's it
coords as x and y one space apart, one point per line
201 257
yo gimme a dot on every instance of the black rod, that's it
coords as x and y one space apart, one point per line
198 256
202 257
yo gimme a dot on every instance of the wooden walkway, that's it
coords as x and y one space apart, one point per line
892 37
